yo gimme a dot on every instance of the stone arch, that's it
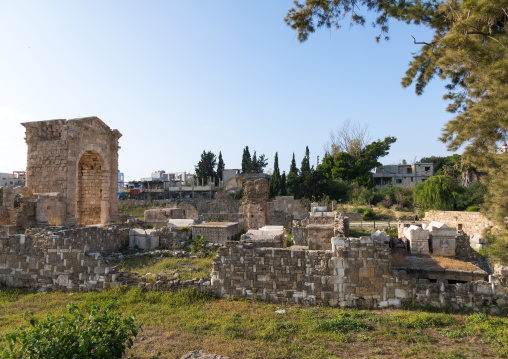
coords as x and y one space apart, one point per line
11 193
7 217
92 188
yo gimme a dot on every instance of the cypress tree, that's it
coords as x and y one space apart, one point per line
220 169
246 160
292 179
305 179
274 184
283 191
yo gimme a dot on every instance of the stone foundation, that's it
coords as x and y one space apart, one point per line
216 232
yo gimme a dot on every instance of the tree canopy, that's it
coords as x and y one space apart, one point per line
206 166
253 164
357 170
468 50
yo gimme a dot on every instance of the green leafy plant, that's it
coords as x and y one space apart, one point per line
369 214
96 334
197 244
342 324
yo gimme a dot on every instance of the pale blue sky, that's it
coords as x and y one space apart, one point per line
179 77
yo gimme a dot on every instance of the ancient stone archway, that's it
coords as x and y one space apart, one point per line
75 163
91 188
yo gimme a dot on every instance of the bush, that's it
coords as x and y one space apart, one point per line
369 214
342 324
98 334
197 244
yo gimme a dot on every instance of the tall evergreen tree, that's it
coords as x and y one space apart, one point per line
254 164
206 166
283 190
246 160
305 162
220 168
305 179
274 184
292 179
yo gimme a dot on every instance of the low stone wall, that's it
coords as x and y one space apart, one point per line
469 222
356 272
221 217
60 260
93 239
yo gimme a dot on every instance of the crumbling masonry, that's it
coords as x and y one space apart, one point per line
72 170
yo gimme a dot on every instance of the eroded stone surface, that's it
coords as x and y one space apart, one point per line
77 159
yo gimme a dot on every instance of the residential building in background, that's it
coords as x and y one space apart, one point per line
403 175
14 179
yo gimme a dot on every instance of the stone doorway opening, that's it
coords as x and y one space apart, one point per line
91 188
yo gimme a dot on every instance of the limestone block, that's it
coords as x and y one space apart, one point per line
415 233
444 246
179 223
478 242
418 239
320 236
143 239
379 236
266 237
337 243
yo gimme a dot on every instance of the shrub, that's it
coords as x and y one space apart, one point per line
98 334
197 244
369 214
342 324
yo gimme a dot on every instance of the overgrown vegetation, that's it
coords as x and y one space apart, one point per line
177 322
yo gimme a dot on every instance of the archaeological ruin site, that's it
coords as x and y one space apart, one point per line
62 230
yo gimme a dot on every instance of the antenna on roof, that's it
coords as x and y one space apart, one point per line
414 161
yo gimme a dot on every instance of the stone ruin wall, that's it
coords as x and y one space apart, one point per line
469 222
215 234
356 272
289 205
255 207
60 260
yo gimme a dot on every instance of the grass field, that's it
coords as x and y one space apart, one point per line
177 322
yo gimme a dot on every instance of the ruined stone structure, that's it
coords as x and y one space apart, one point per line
216 232
269 236
319 228
356 272
469 222
61 260
144 238
161 216
319 236
255 207
288 205
73 167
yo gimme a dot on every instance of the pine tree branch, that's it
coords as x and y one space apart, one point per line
422 42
